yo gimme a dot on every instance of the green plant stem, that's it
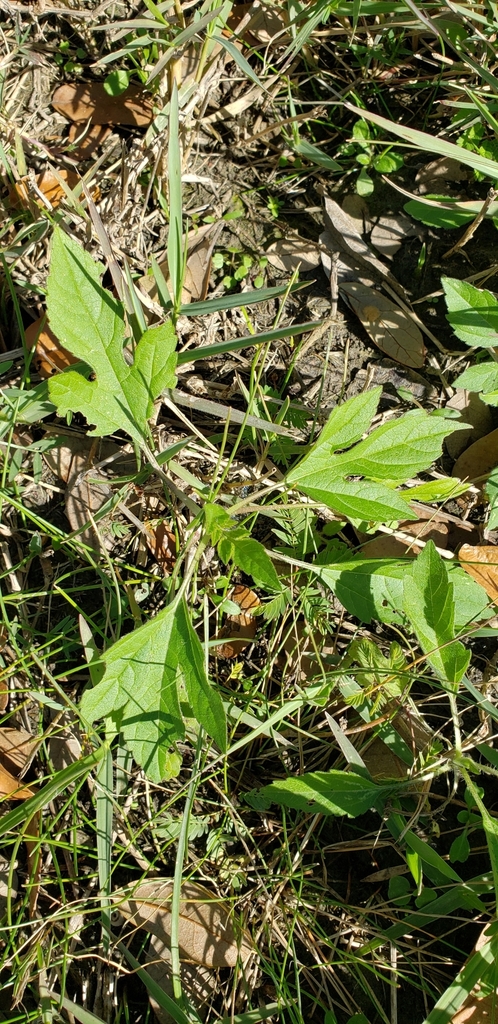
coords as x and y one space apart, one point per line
178 877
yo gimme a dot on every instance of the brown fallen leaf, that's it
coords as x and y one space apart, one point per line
240 628
287 254
16 749
482 564
12 788
89 101
356 260
198 982
161 542
22 195
477 1011
64 743
259 24
473 411
384 874
78 452
389 232
356 207
388 326
86 493
200 244
431 177
382 762
207 933
478 460
89 140
50 357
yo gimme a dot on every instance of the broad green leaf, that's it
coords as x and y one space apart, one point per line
394 451
472 313
338 793
363 500
429 607
236 545
373 589
89 322
391 453
437 216
435 490
140 690
460 849
483 377
347 423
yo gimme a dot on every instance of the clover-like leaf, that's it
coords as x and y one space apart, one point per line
89 322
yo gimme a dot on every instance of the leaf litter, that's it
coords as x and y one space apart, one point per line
207 931
161 539
359 273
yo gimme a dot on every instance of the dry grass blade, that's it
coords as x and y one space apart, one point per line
207 934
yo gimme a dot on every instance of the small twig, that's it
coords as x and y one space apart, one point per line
469 231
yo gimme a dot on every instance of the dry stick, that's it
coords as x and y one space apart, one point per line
469 231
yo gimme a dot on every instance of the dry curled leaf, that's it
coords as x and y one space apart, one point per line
389 232
383 763
288 254
16 749
207 933
388 326
478 460
477 1011
89 101
200 244
89 139
23 194
198 982
482 564
472 411
50 357
240 628
161 542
